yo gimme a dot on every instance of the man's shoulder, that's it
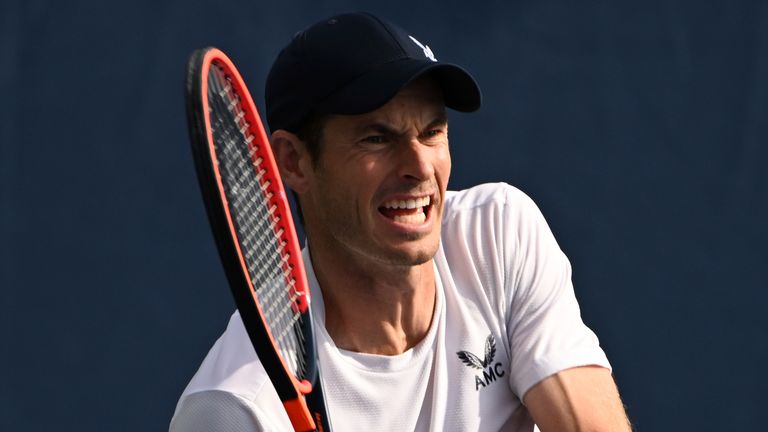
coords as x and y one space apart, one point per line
232 384
489 214
485 196
219 410
231 365
210 410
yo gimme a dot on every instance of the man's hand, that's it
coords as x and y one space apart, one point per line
578 399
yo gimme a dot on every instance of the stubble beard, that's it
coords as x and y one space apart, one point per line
346 234
350 238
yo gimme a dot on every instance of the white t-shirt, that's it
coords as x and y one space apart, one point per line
505 318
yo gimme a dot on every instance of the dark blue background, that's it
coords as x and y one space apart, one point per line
640 128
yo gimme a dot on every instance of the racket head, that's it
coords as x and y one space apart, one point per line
250 217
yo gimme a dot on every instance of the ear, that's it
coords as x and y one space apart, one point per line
293 160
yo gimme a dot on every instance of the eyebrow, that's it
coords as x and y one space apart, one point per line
386 129
441 120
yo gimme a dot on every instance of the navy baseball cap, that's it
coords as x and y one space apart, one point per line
353 64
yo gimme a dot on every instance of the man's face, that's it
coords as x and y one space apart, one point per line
376 191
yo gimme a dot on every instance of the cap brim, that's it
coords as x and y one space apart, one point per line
375 88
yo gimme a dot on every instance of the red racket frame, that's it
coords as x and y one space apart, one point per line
292 391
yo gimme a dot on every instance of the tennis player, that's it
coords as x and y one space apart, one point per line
436 310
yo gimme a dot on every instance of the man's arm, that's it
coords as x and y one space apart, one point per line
577 399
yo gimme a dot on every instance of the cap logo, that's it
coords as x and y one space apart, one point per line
427 52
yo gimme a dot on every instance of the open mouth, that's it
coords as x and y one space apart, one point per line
411 211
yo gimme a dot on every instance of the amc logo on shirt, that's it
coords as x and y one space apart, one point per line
491 370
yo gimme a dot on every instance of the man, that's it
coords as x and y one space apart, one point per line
435 310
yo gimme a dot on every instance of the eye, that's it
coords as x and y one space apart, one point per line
433 134
375 139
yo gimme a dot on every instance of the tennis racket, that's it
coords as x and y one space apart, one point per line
251 221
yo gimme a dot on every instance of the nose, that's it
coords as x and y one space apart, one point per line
417 160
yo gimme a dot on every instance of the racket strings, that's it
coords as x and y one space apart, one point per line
256 220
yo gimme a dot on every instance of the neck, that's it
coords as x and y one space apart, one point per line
374 307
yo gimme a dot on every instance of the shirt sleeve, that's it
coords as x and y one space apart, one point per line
220 411
545 329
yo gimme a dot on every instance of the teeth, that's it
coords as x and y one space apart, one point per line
407 204
412 219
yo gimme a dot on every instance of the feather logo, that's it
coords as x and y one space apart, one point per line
427 51
491 370
474 361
